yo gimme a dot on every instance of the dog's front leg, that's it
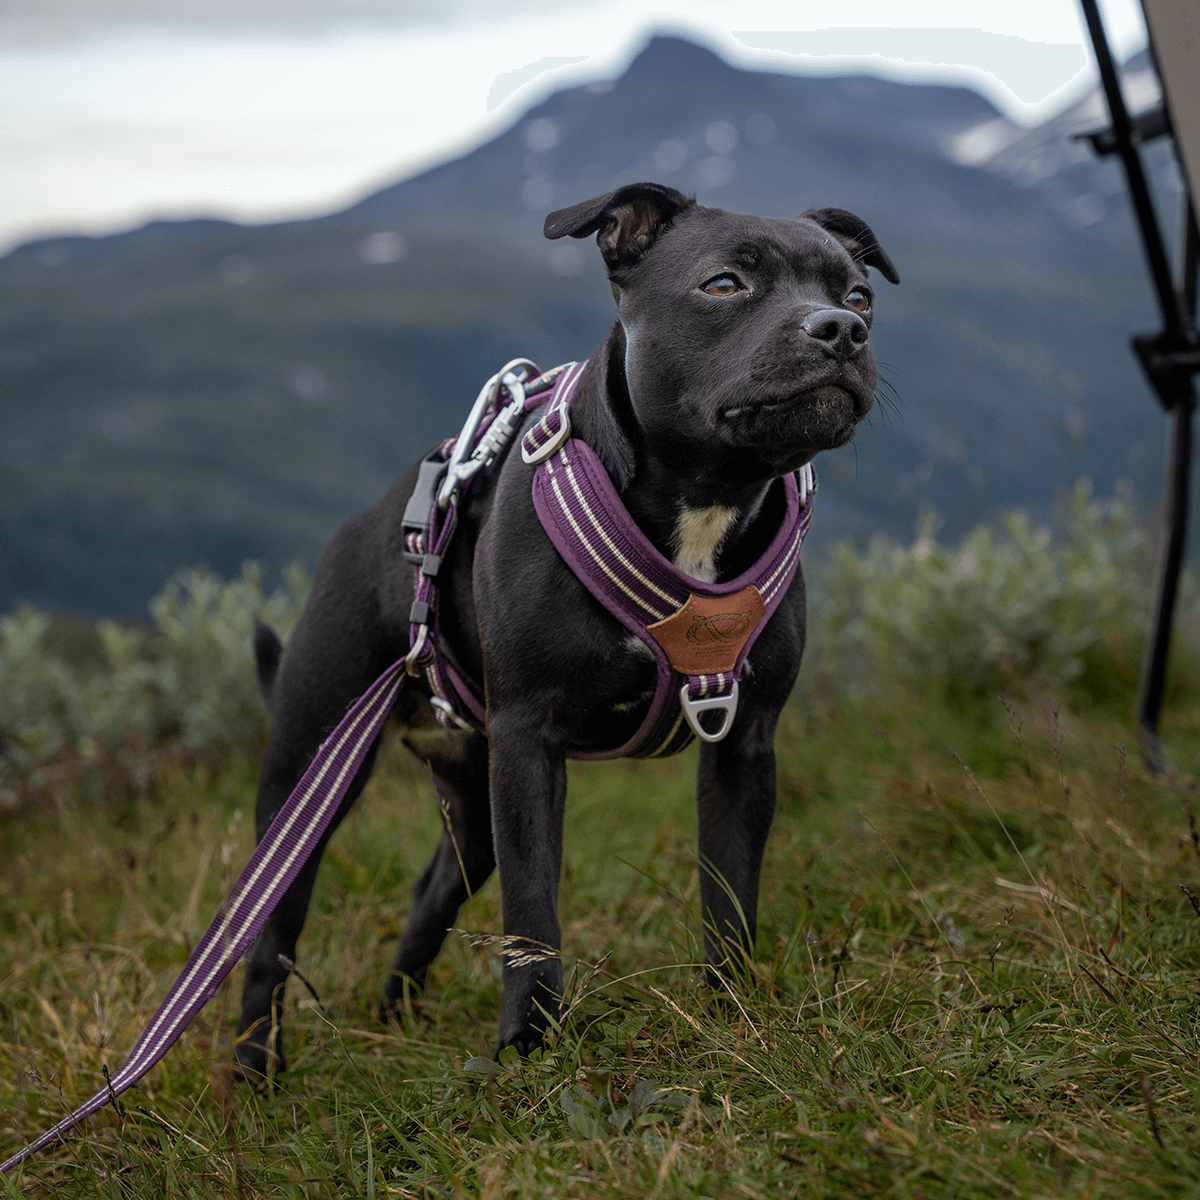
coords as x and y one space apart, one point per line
528 786
736 800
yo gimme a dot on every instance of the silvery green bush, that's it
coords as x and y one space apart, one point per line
1011 605
189 680
205 668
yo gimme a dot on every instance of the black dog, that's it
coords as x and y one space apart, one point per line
740 351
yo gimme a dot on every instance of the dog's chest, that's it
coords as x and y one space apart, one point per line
699 533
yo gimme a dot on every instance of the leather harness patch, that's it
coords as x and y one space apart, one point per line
707 634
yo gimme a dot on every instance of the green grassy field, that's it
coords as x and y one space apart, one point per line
972 978
977 962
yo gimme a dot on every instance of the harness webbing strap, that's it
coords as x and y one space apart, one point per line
592 529
283 850
454 702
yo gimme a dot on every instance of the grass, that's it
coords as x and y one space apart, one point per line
976 976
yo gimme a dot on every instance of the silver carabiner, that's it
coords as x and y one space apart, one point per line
692 710
463 461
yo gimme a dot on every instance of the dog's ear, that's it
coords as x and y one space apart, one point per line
855 234
626 221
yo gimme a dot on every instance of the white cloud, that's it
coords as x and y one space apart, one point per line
118 110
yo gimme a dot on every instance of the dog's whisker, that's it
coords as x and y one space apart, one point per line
890 394
886 410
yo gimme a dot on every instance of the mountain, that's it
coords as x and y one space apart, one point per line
202 391
1089 193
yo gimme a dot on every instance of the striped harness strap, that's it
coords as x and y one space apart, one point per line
431 517
699 633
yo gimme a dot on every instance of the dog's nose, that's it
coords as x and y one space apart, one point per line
842 331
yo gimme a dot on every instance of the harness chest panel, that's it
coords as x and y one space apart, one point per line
699 633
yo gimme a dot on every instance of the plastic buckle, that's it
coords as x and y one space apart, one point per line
693 709
420 505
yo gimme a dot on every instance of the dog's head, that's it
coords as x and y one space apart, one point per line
750 331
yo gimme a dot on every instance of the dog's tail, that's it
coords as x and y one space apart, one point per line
268 650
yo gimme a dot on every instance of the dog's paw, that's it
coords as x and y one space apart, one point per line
524 1041
396 1011
255 1065
401 999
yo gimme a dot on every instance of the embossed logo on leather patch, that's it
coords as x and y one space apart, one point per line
707 634
722 627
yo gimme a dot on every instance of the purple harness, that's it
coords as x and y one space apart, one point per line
698 633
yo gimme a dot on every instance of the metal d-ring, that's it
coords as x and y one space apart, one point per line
692 710
807 481
447 708
419 653
546 449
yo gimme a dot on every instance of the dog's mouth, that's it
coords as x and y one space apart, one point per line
821 417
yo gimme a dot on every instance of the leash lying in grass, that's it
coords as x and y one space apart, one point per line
280 854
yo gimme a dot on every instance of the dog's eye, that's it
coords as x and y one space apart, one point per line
721 285
859 300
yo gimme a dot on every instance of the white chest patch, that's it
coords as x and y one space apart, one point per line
699 533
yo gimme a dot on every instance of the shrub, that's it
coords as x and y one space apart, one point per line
1006 609
205 676
189 680
1011 607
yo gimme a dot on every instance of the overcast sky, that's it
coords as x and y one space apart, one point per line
116 111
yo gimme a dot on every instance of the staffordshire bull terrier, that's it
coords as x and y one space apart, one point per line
740 351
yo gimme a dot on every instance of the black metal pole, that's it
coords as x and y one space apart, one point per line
1168 360
1191 261
1154 673
1182 402
1126 138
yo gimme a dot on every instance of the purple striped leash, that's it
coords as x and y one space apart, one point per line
283 850
620 567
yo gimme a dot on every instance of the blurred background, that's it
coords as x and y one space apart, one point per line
258 257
